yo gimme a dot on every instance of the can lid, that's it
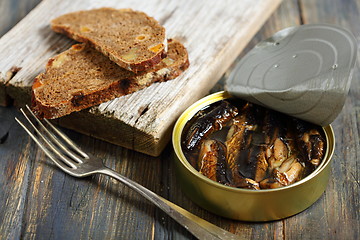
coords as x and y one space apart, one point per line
302 71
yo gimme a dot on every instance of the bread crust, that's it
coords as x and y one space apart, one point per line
97 79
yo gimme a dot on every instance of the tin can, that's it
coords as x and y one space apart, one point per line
246 204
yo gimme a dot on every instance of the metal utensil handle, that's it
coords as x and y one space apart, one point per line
197 226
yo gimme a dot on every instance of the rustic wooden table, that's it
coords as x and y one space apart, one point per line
38 201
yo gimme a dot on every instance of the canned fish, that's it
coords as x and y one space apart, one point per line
256 195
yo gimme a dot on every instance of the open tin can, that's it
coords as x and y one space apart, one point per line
304 72
246 204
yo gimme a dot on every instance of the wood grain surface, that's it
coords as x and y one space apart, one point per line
38 201
213 33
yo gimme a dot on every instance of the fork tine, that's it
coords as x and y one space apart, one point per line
67 140
48 153
56 140
51 146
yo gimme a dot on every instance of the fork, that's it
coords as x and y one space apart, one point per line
72 160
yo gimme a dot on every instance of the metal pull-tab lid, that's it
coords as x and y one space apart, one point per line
302 71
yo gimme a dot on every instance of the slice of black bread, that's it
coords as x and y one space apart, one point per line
82 77
129 38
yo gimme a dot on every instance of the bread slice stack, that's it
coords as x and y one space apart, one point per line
121 51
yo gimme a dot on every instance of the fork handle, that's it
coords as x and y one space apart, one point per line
197 226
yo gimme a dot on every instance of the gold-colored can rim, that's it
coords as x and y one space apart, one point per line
193 109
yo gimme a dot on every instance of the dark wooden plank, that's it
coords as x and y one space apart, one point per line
38 201
15 148
15 169
12 11
63 207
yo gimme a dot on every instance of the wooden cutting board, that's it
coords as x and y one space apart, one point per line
214 32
